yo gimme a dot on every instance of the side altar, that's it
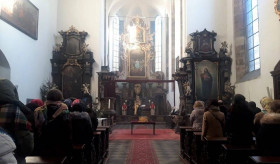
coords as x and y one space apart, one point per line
205 74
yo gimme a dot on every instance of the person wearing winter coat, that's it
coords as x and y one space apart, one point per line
213 121
13 119
196 116
268 141
7 148
239 123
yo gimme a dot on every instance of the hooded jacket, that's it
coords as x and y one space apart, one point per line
7 147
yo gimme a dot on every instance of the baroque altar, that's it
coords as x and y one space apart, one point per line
136 83
205 74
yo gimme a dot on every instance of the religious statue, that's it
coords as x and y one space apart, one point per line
229 92
137 89
187 88
124 109
137 103
153 109
85 88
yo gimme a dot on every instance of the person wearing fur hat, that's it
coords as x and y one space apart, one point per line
13 119
268 137
196 116
52 125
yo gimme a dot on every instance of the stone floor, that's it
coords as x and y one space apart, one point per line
167 151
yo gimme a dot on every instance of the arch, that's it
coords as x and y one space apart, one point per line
5 72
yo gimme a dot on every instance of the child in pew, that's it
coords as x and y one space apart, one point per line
268 137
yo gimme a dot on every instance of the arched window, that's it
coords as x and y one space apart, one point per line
252 34
114 47
158 26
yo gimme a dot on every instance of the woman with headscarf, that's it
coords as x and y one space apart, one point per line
13 120
239 122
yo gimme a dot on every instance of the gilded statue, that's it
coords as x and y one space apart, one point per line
137 101
187 88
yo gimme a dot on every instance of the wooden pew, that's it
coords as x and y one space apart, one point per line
186 139
182 140
238 153
265 159
78 154
214 149
97 146
106 140
44 160
198 144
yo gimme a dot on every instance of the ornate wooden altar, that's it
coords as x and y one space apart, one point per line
205 74
72 64
276 80
136 70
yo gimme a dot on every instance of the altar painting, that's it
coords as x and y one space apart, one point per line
137 63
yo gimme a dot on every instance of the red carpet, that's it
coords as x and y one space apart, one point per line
144 134
141 152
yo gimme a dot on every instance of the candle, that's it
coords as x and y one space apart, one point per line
109 104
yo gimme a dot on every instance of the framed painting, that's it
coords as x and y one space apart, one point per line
22 15
137 63
277 7
206 80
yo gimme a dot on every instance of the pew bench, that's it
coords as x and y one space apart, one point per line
265 159
44 160
198 144
214 149
97 146
238 153
186 142
182 140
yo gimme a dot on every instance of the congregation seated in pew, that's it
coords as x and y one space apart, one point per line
239 143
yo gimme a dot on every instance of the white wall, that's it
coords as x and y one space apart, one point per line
269 26
29 59
210 14
85 15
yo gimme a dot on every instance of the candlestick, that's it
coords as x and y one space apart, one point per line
109 104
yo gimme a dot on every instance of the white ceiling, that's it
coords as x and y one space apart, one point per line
142 8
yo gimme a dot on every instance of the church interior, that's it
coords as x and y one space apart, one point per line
162 81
